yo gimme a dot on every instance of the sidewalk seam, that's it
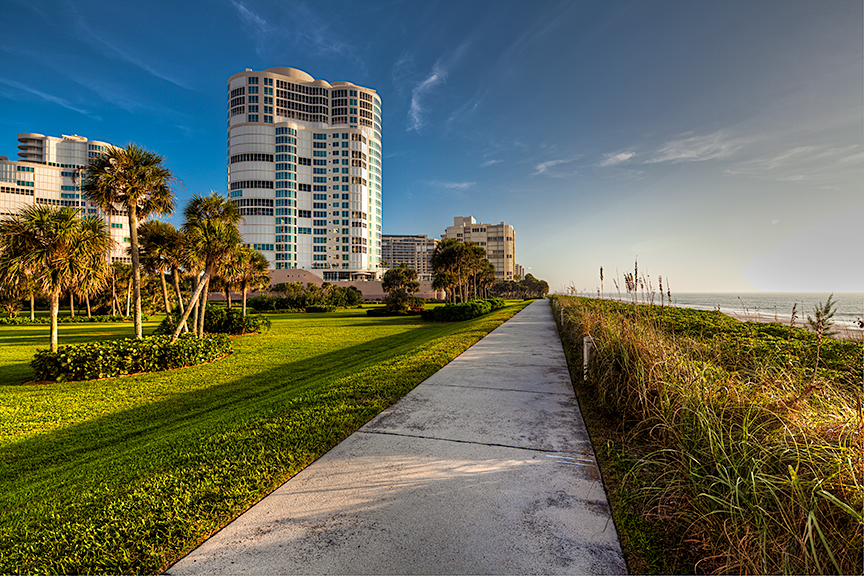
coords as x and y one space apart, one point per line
567 394
384 433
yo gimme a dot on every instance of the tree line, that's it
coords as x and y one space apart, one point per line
463 272
52 250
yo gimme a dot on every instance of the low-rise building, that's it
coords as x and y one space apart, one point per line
499 241
415 251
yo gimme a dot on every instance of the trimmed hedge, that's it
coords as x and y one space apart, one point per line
22 320
127 356
463 311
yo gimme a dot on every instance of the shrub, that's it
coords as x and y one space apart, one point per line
462 311
220 320
319 308
127 356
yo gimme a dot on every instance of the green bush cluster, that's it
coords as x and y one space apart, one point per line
463 311
319 308
221 320
23 321
127 356
384 311
294 297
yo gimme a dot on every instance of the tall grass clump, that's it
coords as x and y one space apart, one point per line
743 440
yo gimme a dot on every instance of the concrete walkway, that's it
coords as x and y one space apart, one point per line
484 468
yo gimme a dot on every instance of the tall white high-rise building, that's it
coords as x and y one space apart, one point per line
50 171
304 166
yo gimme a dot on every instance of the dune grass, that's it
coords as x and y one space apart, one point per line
724 449
125 475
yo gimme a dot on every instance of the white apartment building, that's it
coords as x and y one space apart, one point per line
414 251
499 241
304 166
50 170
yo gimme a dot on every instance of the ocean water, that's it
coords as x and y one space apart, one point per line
849 309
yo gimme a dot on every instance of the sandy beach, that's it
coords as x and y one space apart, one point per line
841 332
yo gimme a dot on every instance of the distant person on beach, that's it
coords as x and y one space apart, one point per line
860 323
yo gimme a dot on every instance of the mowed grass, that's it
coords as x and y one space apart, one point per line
125 475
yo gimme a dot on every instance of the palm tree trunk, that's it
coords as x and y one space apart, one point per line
165 295
244 299
228 295
128 297
87 300
55 308
185 316
32 306
176 276
136 267
194 303
203 314
72 304
113 293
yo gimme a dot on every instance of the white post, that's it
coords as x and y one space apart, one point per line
587 344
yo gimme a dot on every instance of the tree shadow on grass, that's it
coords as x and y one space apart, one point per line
150 481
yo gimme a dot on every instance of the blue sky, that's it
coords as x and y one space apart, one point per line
720 142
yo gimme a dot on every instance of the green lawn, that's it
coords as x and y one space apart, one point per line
126 474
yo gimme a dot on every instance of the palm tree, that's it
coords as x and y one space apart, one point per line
55 248
255 273
94 277
209 241
155 238
211 235
214 209
135 180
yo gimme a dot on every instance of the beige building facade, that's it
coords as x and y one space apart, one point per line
415 251
50 171
304 167
499 241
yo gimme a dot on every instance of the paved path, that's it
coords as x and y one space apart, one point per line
484 468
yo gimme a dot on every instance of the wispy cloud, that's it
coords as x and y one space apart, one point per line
313 33
89 35
47 97
815 164
259 29
437 76
490 163
458 186
698 148
251 19
616 158
544 167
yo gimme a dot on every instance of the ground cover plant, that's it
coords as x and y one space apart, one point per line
124 475
726 446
